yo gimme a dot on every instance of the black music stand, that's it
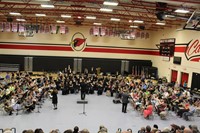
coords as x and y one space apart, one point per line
83 102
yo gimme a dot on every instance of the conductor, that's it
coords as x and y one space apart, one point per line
83 89
55 98
125 100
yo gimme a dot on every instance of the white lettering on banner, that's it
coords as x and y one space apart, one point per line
193 50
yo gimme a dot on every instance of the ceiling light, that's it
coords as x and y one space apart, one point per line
40 15
90 17
97 23
47 6
110 3
106 10
169 16
79 17
134 26
115 19
66 16
20 19
159 23
59 21
14 13
130 21
138 21
181 11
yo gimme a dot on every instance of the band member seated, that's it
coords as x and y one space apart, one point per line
161 107
30 104
148 111
8 108
191 112
184 107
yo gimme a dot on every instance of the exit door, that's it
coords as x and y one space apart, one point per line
174 76
184 77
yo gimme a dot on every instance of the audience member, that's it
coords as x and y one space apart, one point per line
187 130
148 129
84 131
76 129
68 131
38 130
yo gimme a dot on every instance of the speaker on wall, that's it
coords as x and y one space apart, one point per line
142 27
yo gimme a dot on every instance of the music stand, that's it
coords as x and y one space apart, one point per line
83 102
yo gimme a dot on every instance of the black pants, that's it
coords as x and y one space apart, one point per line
124 107
82 95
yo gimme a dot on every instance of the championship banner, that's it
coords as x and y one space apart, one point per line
91 31
46 29
66 30
132 34
14 27
103 31
107 32
41 28
96 31
53 29
21 28
7 27
142 35
110 32
1 27
147 35
138 34
62 29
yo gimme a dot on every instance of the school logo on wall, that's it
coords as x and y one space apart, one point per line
78 42
192 52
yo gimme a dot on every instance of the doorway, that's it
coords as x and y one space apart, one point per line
184 78
174 76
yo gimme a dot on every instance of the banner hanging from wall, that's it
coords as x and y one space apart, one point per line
53 29
47 28
14 27
41 28
62 29
102 31
95 31
21 27
7 27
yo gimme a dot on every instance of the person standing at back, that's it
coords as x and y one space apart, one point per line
125 100
55 98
